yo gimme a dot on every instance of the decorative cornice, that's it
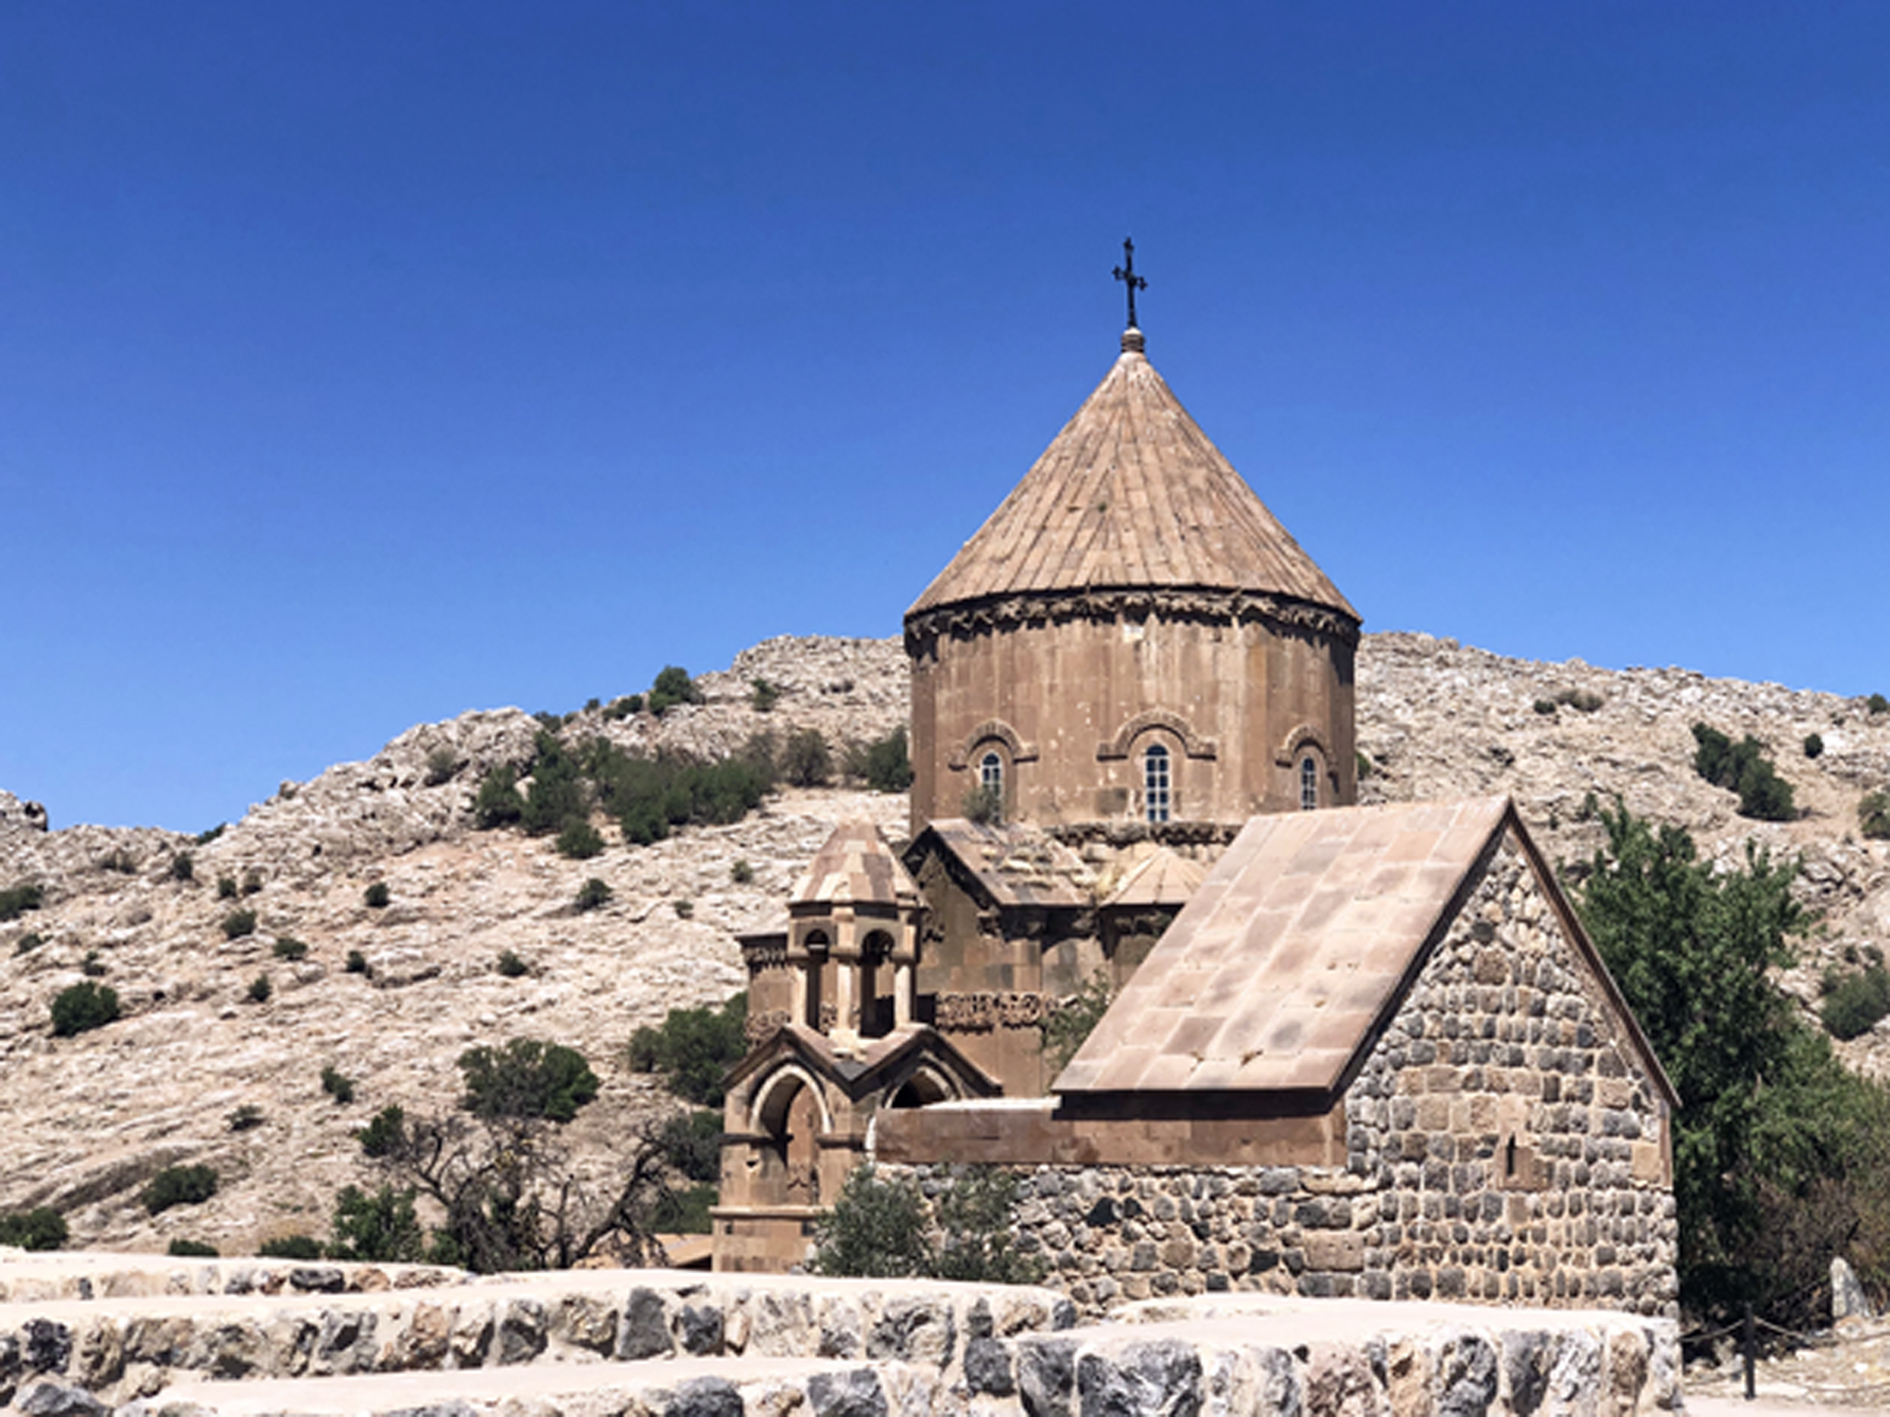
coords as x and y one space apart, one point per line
1192 743
964 619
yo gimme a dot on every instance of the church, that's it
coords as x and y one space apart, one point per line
1345 1050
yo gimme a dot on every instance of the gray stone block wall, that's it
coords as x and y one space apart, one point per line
1504 1146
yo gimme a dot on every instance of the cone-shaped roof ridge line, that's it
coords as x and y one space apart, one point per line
1131 495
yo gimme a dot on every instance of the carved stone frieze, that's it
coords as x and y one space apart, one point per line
760 1025
1004 612
980 1011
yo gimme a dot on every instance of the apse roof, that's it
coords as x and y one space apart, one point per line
1131 494
855 866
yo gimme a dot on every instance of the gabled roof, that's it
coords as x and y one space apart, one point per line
1299 946
1131 494
858 1070
1010 865
854 866
1159 879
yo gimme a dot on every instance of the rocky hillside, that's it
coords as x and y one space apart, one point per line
90 1117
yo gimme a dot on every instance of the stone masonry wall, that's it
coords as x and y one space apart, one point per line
1504 1146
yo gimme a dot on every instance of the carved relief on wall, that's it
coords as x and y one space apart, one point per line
760 1025
1276 612
979 1011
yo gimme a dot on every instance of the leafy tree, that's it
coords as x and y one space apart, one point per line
1779 1153
379 1226
973 1222
1873 815
673 686
183 868
984 805
556 798
693 1049
41 1228
806 760
82 1006
15 901
179 1185
1853 1003
1814 745
1743 767
580 841
593 893
526 1079
497 803
876 1229
692 1143
376 896
887 766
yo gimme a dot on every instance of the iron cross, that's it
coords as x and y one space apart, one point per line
1126 273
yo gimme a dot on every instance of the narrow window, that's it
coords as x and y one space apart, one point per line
1155 783
991 773
1308 784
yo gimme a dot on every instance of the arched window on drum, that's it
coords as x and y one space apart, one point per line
991 774
1157 783
1308 783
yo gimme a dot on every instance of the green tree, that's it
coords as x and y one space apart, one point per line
806 760
41 1228
556 798
673 686
693 1049
82 1006
527 1079
497 803
876 1229
380 1227
888 763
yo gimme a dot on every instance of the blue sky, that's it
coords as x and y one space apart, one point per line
361 364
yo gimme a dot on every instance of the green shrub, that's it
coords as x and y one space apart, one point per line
984 805
497 803
973 1216
17 900
692 1143
1877 704
624 707
741 873
684 1212
763 696
1873 815
121 862
226 888
442 764
252 883
1853 1003
179 1185
673 686
356 963
649 796
204 838
246 1118
41 1228
1545 706
1074 1020
92 967
376 896
183 867
385 1135
693 1049
28 942
1581 700
887 764
556 798
337 1086
181 1248
239 923
290 1247
875 1230
684 908
1743 767
1362 764
580 841
1814 745
526 1078
288 947
260 989
511 966
83 1006
379 1228
806 760
593 894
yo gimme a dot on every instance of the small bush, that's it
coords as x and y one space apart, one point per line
260 989
526 1078
206 837
497 803
121 862
385 1135
593 893
1074 1020
239 923
511 966
1814 745
379 1228
875 1230
183 867
1363 764
684 909
289 948
356 963
741 873
252 883
290 1247
442 764
1855 1002
376 896
1763 795
1873 815
337 1086
92 967
557 797
887 765
1545 707
181 1248
179 1185
673 686
763 696
1581 700
17 900
806 760
684 1212
28 942
1877 704
624 707
41 1228
693 1049
973 1217
984 805
580 841
246 1118
82 1007
226 888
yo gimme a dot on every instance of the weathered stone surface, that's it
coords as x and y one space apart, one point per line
58 1400
914 1331
1160 1379
1848 1300
1046 1376
645 1329
988 1368
705 1397
855 1393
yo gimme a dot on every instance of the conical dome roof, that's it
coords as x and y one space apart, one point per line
1131 494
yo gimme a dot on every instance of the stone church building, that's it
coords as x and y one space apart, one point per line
1347 1050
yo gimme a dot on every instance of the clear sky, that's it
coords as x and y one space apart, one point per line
365 363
